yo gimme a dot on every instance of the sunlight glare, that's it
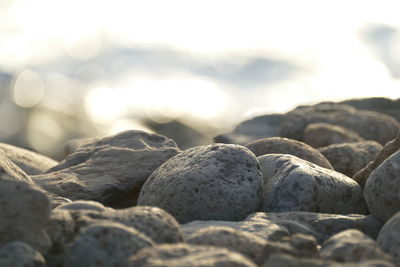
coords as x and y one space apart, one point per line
28 89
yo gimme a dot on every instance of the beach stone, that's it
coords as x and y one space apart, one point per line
382 188
369 125
323 134
72 145
245 243
110 170
262 228
83 205
30 162
256 128
105 244
184 255
349 158
20 254
279 145
24 212
389 237
390 148
324 225
351 246
215 182
293 184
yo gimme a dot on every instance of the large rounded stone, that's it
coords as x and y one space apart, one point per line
389 237
382 188
349 158
293 184
185 255
110 170
105 244
279 145
215 182
19 254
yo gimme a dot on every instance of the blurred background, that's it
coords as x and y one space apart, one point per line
187 69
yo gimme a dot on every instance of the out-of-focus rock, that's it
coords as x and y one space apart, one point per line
20 254
389 237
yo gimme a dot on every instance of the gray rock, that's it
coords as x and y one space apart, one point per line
105 244
349 158
351 246
293 184
262 228
72 145
215 182
186 255
30 162
391 147
382 188
324 225
242 242
24 212
110 170
83 205
389 237
368 124
324 134
19 254
256 128
279 145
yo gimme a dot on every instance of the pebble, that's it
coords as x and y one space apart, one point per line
293 184
20 254
389 237
279 145
215 182
349 158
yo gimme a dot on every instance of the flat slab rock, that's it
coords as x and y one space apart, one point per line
110 170
293 184
215 182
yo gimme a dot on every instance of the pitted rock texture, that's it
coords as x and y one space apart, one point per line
185 255
245 243
390 148
279 145
256 128
215 182
389 237
24 212
324 134
351 246
110 170
382 188
369 125
105 244
30 162
293 184
20 254
349 158
324 225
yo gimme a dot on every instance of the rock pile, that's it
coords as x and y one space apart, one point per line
312 187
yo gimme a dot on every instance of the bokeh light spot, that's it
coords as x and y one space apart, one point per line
28 89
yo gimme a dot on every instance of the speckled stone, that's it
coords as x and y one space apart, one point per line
20 254
293 184
389 237
215 182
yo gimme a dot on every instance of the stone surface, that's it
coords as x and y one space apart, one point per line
256 128
20 254
245 243
368 124
349 158
389 237
382 188
261 228
186 255
324 134
24 211
351 246
105 244
215 182
279 145
83 205
323 225
30 162
293 184
110 170
72 145
388 149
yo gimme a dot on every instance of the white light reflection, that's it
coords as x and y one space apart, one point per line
28 89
